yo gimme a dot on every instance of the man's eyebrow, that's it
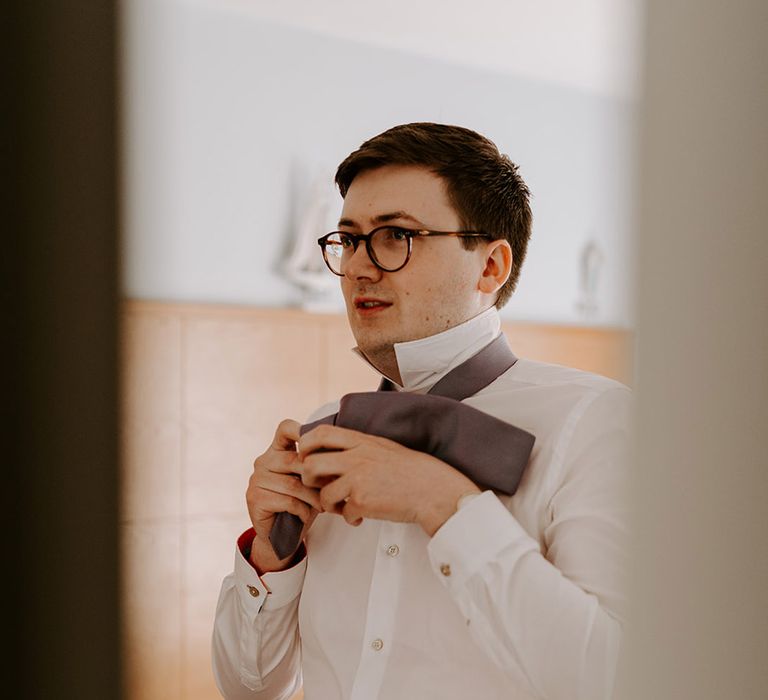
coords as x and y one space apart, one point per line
384 219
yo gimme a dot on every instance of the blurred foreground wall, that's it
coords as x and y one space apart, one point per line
59 381
701 585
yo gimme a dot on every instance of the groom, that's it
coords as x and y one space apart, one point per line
413 581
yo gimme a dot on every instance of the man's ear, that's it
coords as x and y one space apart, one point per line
498 266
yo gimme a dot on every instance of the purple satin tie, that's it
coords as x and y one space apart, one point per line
489 451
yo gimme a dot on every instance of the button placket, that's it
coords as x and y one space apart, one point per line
382 601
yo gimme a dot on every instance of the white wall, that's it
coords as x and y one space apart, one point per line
588 44
229 114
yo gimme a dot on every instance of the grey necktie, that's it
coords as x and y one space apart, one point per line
489 451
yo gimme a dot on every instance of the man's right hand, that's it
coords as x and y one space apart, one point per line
275 487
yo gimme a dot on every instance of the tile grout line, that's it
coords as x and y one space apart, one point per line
323 356
329 331
183 643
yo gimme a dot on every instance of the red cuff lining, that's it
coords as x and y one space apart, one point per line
245 542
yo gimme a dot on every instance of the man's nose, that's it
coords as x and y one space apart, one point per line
360 265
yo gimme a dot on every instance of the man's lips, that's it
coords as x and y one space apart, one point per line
370 304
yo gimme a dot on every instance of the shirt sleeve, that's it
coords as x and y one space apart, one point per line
256 652
551 610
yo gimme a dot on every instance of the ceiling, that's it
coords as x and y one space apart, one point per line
592 45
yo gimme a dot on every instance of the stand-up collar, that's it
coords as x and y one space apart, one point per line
423 362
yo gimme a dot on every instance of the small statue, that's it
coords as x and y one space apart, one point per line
590 262
304 264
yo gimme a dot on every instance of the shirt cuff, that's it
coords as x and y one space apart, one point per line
271 590
474 536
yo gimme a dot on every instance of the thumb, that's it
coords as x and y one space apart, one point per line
286 435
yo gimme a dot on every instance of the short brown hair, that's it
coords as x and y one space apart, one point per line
484 185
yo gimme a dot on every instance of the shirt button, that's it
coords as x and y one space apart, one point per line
253 591
393 550
377 645
445 569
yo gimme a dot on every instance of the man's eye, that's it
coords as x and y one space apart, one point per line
346 241
398 234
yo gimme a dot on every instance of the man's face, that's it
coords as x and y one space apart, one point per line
436 290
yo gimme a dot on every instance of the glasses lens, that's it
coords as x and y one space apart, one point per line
390 247
337 247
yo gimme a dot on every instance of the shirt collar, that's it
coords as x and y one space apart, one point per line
424 362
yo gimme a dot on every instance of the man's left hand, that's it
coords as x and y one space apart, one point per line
365 476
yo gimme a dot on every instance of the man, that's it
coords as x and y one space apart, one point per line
412 581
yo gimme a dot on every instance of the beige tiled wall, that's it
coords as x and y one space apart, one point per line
203 389
151 503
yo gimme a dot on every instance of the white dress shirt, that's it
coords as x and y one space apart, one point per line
513 597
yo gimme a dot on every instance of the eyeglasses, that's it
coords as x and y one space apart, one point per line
388 247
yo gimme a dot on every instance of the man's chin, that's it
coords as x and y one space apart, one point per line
374 344
376 340
373 348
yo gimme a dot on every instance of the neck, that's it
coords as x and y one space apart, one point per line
425 359
385 360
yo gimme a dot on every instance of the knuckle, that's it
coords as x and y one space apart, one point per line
294 506
352 517
325 500
257 497
308 471
259 462
357 500
293 486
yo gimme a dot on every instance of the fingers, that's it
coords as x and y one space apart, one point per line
331 437
263 505
334 495
320 468
287 504
280 457
286 435
336 498
262 485
351 513
327 452
274 462
263 554
353 520
293 486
